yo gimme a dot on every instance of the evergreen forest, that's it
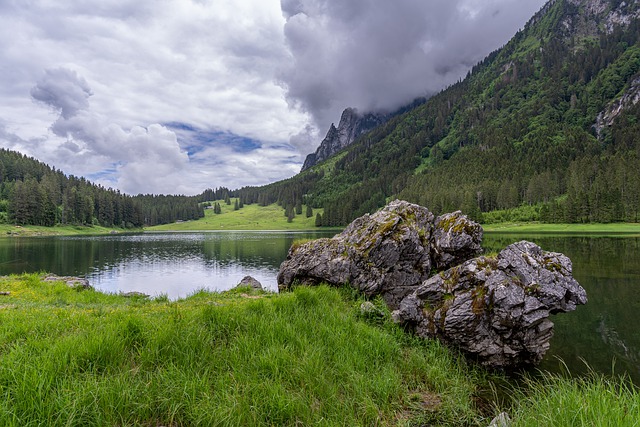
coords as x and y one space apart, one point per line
32 193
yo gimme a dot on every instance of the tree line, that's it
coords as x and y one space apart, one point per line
32 193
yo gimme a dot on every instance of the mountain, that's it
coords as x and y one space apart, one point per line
352 125
547 126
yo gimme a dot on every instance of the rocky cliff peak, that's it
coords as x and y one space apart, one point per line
352 124
589 18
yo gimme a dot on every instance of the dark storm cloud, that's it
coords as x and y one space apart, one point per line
376 55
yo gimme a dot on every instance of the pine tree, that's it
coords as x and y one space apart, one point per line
236 205
318 220
309 211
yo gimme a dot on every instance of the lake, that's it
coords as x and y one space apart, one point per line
603 333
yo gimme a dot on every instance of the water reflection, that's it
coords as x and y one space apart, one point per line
175 264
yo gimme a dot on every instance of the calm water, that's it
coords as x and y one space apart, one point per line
175 264
603 333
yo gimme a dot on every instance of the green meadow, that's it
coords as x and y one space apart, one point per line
250 217
590 228
72 357
66 230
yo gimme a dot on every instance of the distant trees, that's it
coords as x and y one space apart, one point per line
36 194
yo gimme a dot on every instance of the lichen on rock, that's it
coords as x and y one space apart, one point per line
389 253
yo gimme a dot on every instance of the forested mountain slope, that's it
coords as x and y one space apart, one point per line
551 119
32 193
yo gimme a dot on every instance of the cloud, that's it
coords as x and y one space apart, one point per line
375 55
115 69
63 90
175 96
148 158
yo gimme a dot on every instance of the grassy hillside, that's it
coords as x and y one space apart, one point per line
250 217
308 357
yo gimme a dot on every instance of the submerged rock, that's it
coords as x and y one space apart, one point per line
134 294
496 309
389 253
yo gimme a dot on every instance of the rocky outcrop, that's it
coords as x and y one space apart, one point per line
351 126
496 309
389 253
251 282
629 98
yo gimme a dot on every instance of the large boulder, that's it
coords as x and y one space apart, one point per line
496 309
389 253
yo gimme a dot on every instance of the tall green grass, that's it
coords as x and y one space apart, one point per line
591 401
82 358
245 358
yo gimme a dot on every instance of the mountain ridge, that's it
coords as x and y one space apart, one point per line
351 126
518 130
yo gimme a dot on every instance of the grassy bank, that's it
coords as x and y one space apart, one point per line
308 357
250 217
537 227
66 230
72 357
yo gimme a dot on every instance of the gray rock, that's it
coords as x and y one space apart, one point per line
455 239
369 310
386 253
252 282
74 282
496 309
389 253
501 420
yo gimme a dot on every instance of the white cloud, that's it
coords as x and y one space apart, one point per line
117 82
375 55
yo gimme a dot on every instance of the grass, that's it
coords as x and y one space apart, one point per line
307 357
34 230
591 401
250 217
536 227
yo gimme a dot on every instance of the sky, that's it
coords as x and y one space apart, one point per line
176 96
